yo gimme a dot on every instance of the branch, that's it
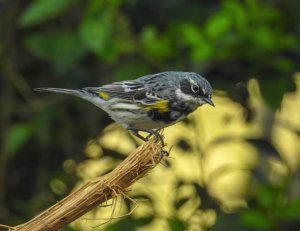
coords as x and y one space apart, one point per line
97 191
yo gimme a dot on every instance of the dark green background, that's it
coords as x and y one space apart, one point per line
77 43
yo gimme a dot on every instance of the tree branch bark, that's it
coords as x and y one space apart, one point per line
97 191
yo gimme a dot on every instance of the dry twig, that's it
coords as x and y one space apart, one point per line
97 191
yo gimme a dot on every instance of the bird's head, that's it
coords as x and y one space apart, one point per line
195 89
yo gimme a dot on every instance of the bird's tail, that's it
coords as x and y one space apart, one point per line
78 93
86 93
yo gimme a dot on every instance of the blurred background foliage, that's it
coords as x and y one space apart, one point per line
235 166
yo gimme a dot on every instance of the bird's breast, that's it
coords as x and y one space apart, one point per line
176 112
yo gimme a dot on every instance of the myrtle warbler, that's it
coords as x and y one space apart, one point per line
148 103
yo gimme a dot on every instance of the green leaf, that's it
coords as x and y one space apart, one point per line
156 46
291 211
201 48
264 38
62 49
17 137
217 25
106 31
176 224
238 14
96 32
267 196
274 97
41 10
256 219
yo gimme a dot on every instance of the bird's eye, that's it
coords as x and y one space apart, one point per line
195 88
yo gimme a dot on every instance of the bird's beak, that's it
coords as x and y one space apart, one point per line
209 101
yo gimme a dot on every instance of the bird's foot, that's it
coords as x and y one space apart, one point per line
151 132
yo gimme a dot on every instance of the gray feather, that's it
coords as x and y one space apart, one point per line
85 93
59 90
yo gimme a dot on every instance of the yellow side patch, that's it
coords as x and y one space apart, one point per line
161 105
103 95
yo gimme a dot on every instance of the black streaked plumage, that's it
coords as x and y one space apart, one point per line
149 102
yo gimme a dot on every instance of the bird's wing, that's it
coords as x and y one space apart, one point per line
127 90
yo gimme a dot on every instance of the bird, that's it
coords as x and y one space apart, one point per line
148 103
